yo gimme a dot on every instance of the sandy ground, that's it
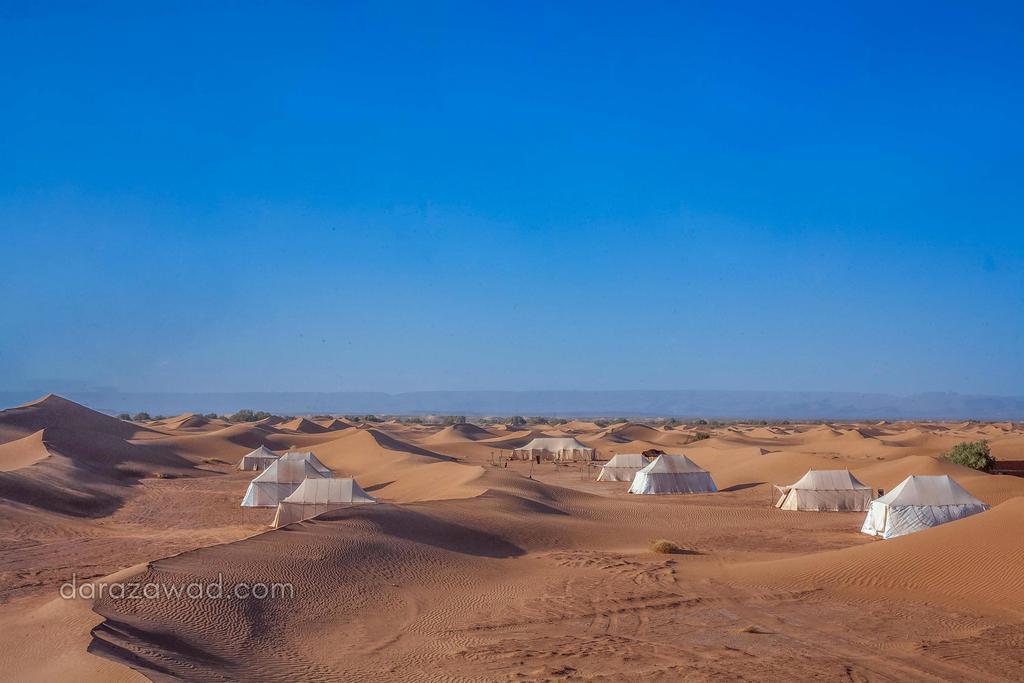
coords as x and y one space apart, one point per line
474 569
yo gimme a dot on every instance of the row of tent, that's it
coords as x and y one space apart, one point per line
301 487
918 502
661 475
298 485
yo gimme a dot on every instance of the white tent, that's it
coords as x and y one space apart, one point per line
825 491
555 448
623 467
279 480
672 474
258 460
316 496
917 503
310 458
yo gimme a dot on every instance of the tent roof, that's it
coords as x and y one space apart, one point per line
307 456
672 464
554 443
283 471
827 480
320 491
628 460
928 490
262 452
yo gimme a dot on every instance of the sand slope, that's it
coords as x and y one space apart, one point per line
54 411
975 561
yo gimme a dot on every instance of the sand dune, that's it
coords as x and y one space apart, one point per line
391 469
228 444
459 433
54 411
303 426
630 431
85 472
940 563
338 423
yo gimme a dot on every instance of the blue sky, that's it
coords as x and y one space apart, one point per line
542 196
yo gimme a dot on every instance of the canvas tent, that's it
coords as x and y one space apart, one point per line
316 496
623 467
825 491
258 460
564 448
279 480
672 474
310 458
919 502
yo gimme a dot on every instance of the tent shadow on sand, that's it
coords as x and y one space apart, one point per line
740 487
402 522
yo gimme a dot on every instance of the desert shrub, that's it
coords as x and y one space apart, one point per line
453 420
246 415
517 421
665 547
210 416
214 461
973 454
124 416
700 436
138 417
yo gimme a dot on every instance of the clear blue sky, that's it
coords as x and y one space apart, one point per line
337 196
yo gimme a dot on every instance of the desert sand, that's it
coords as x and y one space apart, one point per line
473 568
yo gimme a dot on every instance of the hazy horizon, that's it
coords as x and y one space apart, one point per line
729 405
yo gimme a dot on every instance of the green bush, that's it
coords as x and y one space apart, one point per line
138 417
246 415
973 454
124 416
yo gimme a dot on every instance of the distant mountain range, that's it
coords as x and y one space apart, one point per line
792 405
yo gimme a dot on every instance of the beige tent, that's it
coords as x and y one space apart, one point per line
825 491
316 496
555 448
279 481
623 467
258 460
917 503
310 458
672 474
